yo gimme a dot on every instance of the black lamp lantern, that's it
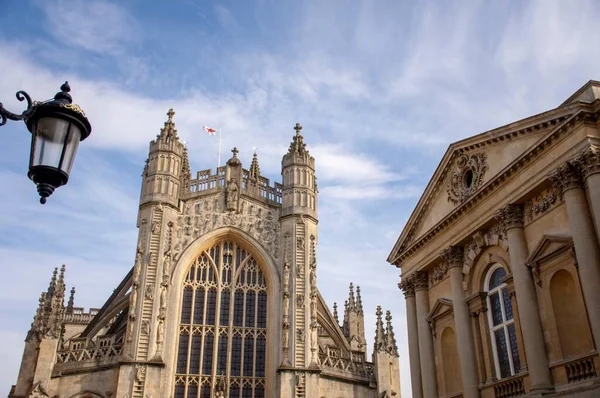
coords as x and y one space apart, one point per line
56 128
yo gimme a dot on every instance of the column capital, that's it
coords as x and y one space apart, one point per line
453 256
511 216
567 176
588 160
407 286
421 280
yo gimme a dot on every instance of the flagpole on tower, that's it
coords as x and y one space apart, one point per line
219 156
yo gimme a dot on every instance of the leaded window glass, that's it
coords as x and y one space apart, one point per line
222 325
502 327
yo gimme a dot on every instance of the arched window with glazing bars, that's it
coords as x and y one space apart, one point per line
223 325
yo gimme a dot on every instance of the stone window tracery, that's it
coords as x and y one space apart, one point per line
501 324
223 322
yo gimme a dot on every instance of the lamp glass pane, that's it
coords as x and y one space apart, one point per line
71 144
49 139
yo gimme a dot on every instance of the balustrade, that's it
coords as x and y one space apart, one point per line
508 388
580 369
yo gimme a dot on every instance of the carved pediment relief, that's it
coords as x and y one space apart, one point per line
467 176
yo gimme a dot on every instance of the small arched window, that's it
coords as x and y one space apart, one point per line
502 324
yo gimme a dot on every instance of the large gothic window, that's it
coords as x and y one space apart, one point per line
223 325
502 324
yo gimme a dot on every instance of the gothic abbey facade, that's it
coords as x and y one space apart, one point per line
500 261
222 300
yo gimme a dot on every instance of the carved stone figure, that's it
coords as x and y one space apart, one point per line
232 194
163 298
160 332
286 305
146 327
286 335
133 300
155 228
167 266
300 335
300 301
137 267
149 294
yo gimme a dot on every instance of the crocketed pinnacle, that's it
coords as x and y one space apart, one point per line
254 172
71 302
298 145
335 313
351 300
186 176
168 133
359 305
390 340
380 343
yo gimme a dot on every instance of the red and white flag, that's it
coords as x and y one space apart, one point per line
209 130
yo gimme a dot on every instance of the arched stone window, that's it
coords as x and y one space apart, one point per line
223 325
502 324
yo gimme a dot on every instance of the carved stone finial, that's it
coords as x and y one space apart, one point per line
511 216
390 338
235 152
297 127
379 332
298 146
566 177
335 313
71 302
453 256
170 115
359 305
168 132
254 171
351 300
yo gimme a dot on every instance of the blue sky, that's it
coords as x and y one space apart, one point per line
381 88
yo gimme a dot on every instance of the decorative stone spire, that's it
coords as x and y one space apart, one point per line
37 326
298 146
185 172
335 313
254 171
390 339
359 306
71 302
380 337
168 133
351 300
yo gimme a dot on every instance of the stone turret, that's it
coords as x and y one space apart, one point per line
385 357
299 218
165 167
299 181
354 321
43 337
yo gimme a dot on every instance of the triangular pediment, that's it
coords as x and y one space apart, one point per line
442 307
588 93
471 166
548 246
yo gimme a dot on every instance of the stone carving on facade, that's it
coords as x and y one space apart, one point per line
232 195
146 327
160 336
155 228
140 372
511 216
438 273
566 177
420 280
286 300
467 177
589 160
260 223
407 286
300 300
300 335
542 203
149 292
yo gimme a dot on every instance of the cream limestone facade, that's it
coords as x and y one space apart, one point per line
500 261
222 300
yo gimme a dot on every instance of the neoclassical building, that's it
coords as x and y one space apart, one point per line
500 261
222 299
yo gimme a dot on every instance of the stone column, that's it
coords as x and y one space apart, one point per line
426 354
568 179
589 162
526 295
408 288
453 257
478 308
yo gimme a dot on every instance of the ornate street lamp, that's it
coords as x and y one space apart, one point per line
56 127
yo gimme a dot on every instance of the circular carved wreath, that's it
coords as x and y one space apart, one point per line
467 177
